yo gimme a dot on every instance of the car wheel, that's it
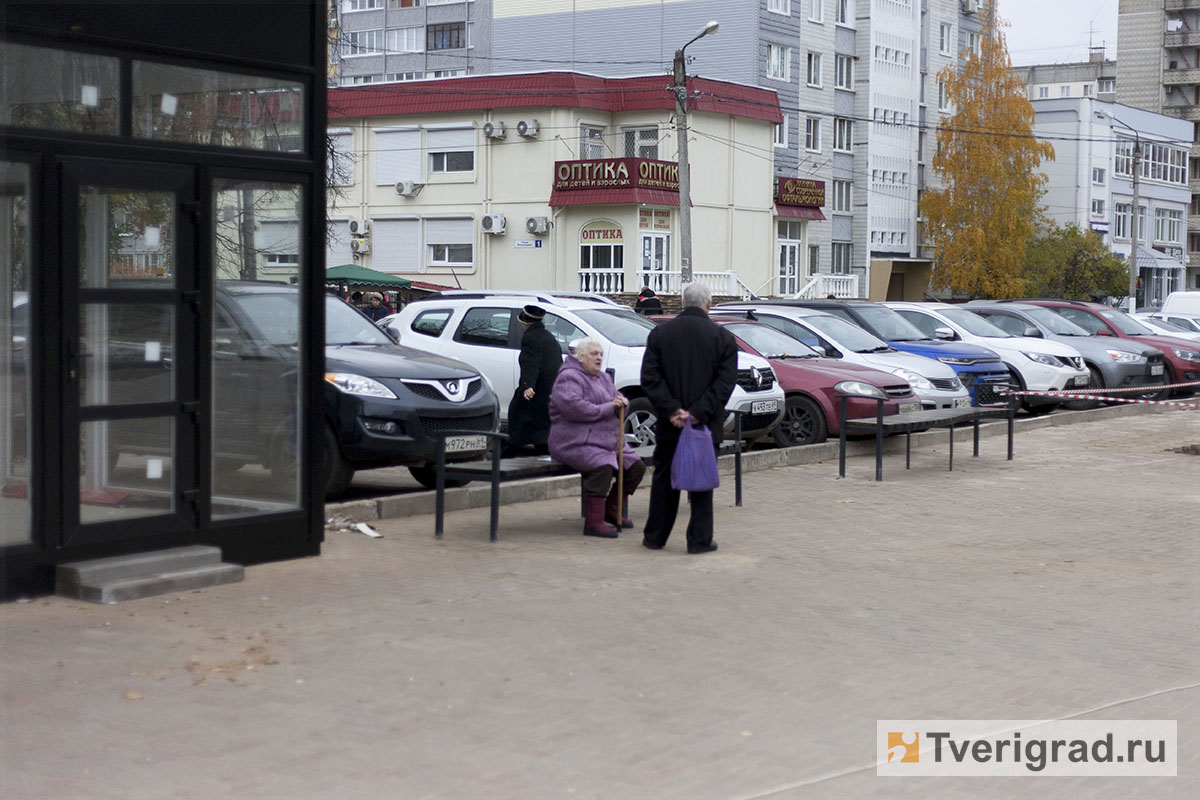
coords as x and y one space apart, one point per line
427 477
336 472
639 422
802 423
1095 384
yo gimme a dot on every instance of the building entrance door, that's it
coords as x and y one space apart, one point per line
131 328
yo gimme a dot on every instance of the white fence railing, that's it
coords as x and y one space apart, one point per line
823 284
603 281
669 282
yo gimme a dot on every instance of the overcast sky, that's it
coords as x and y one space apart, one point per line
1055 31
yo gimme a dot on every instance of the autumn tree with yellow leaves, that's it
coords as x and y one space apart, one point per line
984 215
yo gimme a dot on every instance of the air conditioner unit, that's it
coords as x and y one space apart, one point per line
970 6
360 246
492 223
493 130
527 128
537 225
360 227
408 188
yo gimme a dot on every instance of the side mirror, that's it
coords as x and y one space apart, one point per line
392 333
943 333
1033 332
820 350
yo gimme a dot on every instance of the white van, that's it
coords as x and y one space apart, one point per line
1185 303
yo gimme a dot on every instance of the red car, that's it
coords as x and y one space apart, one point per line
812 383
1181 357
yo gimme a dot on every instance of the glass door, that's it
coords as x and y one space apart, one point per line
656 259
131 397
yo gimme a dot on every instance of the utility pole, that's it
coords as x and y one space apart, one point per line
1136 219
685 183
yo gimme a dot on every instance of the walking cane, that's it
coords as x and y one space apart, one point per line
620 467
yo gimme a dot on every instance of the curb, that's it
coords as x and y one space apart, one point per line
479 495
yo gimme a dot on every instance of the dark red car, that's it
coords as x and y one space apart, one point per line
1181 357
812 383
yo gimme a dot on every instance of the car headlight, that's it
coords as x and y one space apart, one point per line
1042 358
359 385
1186 355
917 381
860 389
960 362
1121 357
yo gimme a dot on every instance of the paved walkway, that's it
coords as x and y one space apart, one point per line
549 665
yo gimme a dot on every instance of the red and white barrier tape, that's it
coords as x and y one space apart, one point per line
1078 394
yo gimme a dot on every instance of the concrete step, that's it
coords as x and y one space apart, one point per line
111 580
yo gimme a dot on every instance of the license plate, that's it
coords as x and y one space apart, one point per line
459 444
962 402
1156 369
1082 380
908 408
764 406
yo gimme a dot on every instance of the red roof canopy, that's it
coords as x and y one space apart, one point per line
798 212
554 89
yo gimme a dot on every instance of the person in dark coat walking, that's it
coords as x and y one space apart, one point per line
376 309
648 302
688 373
529 410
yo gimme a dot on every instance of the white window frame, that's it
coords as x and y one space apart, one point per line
943 101
843 135
780 134
1121 212
1087 90
1098 208
349 6
775 66
1043 92
398 39
816 10
974 42
841 12
946 40
812 134
814 70
438 253
341 157
1098 175
639 142
591 147
1064 91
842 195
780 7
842 258
843 74
364 43
436 149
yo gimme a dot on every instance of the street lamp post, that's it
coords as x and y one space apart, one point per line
1134 213
681 133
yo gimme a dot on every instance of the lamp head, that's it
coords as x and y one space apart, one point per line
710 28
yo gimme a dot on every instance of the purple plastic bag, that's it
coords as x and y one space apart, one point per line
694 467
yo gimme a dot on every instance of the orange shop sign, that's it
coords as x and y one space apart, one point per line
800 192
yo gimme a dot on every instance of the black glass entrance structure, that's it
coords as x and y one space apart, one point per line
155 156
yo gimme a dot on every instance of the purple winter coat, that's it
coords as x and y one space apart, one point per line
583 420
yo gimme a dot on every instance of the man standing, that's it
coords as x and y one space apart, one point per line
688 372
540 359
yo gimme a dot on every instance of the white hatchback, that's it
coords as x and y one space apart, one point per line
480 327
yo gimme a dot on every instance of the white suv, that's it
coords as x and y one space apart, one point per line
480 327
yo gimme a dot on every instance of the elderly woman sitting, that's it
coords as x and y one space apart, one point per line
584 435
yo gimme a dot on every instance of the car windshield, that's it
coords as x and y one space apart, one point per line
1054 323
1125 323
973 323
770 342
275 315
619 326
887 324
845 334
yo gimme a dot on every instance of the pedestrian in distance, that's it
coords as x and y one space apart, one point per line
688 373
648 303
375 309
585 434
529 410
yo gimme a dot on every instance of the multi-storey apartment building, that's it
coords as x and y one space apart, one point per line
1158 69
1096 77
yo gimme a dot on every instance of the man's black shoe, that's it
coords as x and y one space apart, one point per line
702 548
649 545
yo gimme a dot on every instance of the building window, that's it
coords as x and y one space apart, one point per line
1087 90
591 142
843 135
816 10
779 62
780 137
812 134
1123 162
1104 85
841 12
1168 226
973 42
449 73
1064 91
448 242
779 6
1043 92
814 258
943 100
946 40
814 69
842 253
1121 220
339 159
842 195
451 150
405 40
446 36
640 143
602 268
1098 208
404 3
362 5
844 72
1098 175
364 43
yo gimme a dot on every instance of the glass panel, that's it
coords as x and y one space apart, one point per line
256 325
15 350
126 469
58 90
126 354
127 238
221 109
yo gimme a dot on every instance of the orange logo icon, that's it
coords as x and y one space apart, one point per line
903 747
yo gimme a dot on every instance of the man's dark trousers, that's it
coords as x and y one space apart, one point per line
664 501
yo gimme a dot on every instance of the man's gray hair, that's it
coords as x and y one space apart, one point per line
582 346
696 295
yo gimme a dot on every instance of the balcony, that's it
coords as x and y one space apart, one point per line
1194 222
1181 39
1180 77
1180 5
1189 113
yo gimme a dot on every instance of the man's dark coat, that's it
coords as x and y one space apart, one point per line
541 358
